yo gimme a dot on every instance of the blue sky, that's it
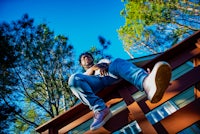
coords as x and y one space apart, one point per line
82 21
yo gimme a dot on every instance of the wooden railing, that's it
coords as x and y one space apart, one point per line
187 50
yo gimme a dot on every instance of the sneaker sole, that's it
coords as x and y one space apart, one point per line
103 122
162 80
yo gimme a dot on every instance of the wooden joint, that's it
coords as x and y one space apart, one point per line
198 43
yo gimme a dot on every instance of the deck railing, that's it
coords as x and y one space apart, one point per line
135 110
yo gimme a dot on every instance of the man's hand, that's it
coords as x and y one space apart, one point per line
103 68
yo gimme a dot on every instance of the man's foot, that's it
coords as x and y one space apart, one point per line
100 118
157 81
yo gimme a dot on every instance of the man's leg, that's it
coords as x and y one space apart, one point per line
154 83
84 87
128 71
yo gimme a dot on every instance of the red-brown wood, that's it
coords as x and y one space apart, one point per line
176 51
182 118
176 56
196 62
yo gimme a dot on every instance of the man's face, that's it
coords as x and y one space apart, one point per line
86 61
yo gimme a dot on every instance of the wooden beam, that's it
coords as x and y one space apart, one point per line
126 95
65 118
196 62
198 43
137 114
182 118
187 44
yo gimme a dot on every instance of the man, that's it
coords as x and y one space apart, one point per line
100 75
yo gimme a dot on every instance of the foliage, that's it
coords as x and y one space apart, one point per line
7 83
154 26
100 53
44 65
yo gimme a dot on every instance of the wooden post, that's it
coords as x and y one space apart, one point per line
196 62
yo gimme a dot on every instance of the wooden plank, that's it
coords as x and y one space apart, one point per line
196 62
76 123
65 118
188 43
182 118
145 109
137 114
53 131
198 43
125 94
183 57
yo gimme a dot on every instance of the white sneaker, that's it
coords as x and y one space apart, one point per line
157 81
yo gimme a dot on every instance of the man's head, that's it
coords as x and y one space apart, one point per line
86 60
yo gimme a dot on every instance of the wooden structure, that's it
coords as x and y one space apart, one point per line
137 109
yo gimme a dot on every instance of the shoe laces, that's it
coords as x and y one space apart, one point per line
96 115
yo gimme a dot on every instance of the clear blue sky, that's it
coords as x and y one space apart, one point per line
82 21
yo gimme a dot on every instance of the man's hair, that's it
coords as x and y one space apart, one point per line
85 53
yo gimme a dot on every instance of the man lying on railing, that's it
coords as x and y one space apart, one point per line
105 73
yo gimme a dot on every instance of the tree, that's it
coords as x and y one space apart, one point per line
154 26
7 82
44 66
100 53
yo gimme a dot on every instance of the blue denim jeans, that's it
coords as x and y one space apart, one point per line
86 86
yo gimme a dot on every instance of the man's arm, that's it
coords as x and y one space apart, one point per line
103 67
91 70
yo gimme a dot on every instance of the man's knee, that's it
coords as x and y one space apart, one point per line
74 79
118 59
115 64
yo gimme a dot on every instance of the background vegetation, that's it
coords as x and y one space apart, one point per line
153 26
35 64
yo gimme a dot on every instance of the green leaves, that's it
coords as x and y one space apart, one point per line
43 64
8 80
159 18
100 53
